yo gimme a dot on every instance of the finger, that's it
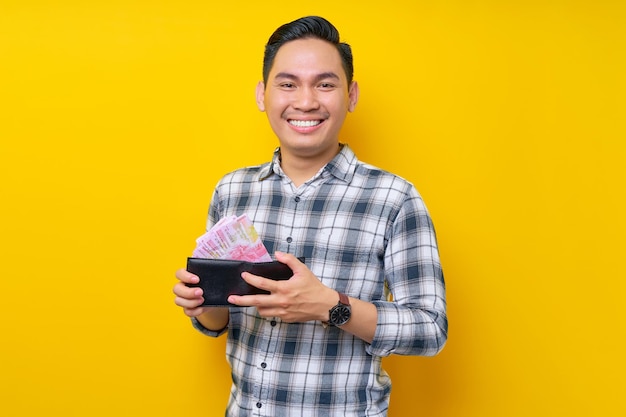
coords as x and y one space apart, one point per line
193 312
259 282
182 290
246 300
188 303
289 260
187 277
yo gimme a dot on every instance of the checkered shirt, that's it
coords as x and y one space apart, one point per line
362 231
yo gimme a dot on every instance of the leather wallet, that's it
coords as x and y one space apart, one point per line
220 278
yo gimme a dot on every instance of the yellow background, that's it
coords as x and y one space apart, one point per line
118 117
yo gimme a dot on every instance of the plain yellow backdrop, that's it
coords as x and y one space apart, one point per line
118 117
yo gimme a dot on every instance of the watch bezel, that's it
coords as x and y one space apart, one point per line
340 315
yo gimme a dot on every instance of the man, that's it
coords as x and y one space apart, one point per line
314 345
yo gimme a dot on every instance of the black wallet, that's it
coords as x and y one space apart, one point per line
220 278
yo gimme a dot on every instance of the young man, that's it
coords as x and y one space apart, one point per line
314 345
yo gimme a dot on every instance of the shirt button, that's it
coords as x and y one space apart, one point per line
259 405
297 199
289 239
273 323
263 365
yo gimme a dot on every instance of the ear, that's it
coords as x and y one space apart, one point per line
353 96
260 96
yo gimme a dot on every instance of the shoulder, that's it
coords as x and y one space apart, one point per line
245 175
388 189
368 175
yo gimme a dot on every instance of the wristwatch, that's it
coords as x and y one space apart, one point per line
340 314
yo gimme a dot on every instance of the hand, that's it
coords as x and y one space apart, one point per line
301 298
190 299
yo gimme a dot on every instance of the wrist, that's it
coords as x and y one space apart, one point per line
328 302
214 318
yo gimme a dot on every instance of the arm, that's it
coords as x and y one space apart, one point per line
363 320
304 298
415 323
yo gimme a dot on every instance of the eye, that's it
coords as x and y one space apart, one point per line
287 86
326 86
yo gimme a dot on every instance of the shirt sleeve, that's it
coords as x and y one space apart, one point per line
415 321
211 333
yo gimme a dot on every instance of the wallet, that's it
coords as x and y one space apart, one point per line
220 278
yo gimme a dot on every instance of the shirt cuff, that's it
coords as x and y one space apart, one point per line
211 333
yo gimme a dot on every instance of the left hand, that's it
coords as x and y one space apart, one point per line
301 298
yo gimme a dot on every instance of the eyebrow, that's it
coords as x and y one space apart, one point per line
318 77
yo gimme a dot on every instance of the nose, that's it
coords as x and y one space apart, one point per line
305 99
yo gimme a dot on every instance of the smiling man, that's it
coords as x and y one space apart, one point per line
371 284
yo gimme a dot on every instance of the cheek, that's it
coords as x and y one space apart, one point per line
275 106
336 105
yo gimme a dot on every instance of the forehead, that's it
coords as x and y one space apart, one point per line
307 56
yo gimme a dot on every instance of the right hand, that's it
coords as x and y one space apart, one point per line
189 298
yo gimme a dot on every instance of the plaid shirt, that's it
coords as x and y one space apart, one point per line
362 231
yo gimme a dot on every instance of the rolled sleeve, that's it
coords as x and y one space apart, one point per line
403 330
211 333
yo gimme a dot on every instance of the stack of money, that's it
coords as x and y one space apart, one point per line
232 237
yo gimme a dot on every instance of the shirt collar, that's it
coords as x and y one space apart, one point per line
341 167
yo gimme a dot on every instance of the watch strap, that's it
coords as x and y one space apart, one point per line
343 299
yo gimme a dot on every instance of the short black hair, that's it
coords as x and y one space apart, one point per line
304 28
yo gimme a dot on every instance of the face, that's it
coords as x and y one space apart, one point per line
307 98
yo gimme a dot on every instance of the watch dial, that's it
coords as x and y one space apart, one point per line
340 315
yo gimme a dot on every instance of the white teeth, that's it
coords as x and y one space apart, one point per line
304 123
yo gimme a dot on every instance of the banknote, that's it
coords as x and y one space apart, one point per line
233 237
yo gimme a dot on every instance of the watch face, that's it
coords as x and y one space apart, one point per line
340 315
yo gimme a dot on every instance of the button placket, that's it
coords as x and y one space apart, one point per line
289 239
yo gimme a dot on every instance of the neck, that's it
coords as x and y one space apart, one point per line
300 169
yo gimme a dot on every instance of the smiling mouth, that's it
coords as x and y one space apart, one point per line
304 123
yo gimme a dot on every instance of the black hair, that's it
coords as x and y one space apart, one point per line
304 28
